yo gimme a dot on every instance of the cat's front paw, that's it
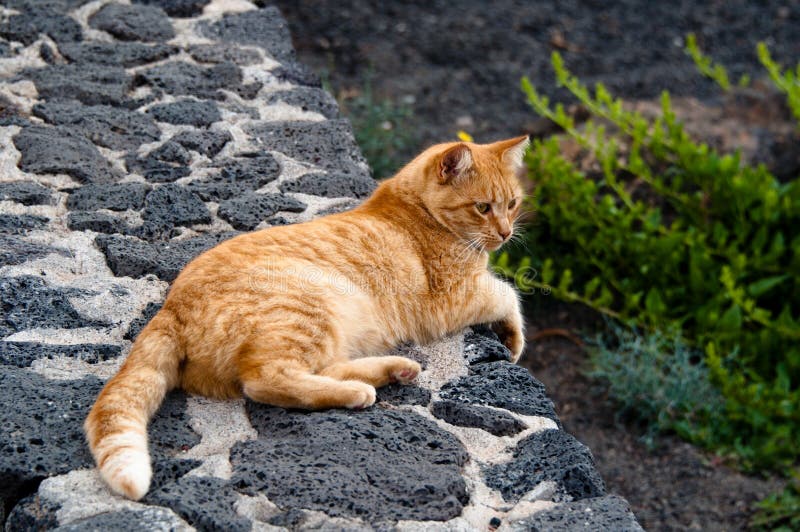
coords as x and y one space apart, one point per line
512 338
362 395
405 371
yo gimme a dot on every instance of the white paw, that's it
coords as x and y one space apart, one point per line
363 395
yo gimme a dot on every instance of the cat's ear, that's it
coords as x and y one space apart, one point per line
512 151
454 164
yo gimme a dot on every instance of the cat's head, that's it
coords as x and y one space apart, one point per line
474 190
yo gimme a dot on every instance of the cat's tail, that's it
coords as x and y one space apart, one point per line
116 427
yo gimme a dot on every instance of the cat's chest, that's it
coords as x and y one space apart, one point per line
451 277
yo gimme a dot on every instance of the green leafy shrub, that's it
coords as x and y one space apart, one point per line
670 235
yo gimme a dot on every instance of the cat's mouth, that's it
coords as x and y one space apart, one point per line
496 244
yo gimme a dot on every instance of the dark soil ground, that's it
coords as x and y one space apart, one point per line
458 63
672 487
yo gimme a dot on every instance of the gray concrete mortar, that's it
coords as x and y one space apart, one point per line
133 136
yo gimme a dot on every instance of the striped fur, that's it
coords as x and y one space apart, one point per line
297 316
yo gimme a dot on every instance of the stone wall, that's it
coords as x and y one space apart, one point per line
132 137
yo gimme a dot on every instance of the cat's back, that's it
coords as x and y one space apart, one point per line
352 246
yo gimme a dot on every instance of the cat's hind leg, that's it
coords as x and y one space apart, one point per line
289 382
287 386
377 371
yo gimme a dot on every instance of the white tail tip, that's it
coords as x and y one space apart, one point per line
127 470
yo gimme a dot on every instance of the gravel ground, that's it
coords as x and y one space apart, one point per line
461 61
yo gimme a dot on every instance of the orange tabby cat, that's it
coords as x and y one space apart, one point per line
294 316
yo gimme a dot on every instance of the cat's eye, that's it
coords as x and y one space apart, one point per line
482 208
512 203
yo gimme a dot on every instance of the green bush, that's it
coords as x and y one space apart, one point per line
670 235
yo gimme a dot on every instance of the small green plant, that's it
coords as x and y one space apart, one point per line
780 511
787 81
381 129
656 378
706 65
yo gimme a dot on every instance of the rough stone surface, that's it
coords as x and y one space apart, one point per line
399 394
15 250
98 222
548 455
190 112
43 434
334 147
133 22
175 205
178 8
497 422
27 27
113 196
221 53
247 211
308 99
296 73
171 152
125 54
22 354
16 224
206 503
156 170
335 455
110 127
57 150
331 185
483 345
87 83
28 301
601 513
179 77
146 519
25 192
139 322
10 114
33 513
502 385
264 28
208 143
237 176
128 256
171 432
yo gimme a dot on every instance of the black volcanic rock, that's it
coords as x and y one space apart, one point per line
336 456
247 211
57 150
110 127
112 196
264 28
550 455
125 54
133 22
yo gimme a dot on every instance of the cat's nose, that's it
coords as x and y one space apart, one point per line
504 233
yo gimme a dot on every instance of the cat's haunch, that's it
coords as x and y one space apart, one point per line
298 316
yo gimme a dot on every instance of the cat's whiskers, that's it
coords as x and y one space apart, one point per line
472 244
